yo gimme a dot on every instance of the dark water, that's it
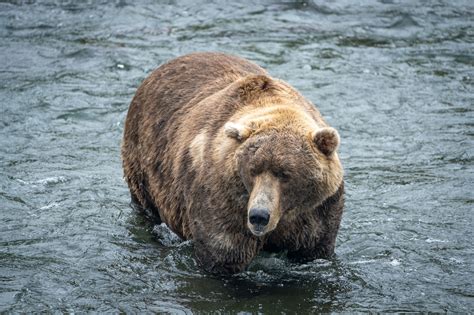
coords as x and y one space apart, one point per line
395 77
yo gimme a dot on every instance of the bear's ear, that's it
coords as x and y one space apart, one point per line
236 131
326 140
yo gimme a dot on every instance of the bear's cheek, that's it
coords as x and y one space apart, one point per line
289 198
299 195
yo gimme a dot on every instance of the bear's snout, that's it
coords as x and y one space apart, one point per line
259 218
263 207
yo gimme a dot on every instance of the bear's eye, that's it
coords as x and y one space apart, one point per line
283 176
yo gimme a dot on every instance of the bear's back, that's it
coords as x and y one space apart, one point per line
189 79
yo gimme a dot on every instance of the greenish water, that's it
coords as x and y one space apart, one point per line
394 77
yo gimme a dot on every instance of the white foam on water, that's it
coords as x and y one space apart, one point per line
361 262
433 240
45 181
49 206
165 236
51 180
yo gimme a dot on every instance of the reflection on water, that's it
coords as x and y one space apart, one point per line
394 78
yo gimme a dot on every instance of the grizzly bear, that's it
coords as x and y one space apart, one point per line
235 160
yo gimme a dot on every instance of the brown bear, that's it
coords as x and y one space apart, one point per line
235 160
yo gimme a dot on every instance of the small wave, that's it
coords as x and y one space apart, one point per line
433 240
52 180
361 262
405 21
48 181
169 308
167 237
49 206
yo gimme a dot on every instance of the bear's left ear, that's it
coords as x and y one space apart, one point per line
326 140
237 131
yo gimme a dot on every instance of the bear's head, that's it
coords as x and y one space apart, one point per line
286 165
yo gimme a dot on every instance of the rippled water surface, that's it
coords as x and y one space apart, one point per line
394 77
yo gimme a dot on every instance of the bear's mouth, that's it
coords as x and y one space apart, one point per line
257 230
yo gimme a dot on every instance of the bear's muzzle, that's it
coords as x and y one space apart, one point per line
263 206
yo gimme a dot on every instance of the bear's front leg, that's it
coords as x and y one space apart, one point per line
317 237
225 253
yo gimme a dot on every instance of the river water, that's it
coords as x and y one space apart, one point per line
394 77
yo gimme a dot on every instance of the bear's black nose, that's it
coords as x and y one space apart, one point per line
258 216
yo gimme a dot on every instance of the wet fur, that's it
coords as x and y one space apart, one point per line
180 163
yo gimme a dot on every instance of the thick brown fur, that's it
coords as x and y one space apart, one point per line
207 135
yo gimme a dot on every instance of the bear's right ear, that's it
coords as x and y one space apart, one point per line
237 131
327 140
